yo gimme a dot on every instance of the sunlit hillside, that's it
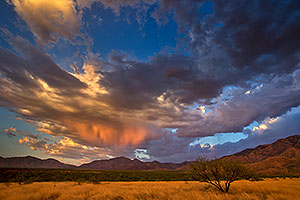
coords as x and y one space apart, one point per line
268 189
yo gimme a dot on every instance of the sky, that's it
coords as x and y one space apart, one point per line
165 80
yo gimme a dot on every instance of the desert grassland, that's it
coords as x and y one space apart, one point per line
179 190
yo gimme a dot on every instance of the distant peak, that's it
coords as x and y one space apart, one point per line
155 161
52 159
31 157
120 158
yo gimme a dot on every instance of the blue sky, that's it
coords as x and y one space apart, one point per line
153 79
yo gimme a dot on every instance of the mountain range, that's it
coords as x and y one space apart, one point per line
280 157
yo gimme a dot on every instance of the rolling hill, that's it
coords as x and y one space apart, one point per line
32 162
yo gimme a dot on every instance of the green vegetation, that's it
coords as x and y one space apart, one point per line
26 176
23 176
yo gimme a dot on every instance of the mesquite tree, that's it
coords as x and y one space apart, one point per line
219 173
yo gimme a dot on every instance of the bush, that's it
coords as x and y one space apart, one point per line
216 172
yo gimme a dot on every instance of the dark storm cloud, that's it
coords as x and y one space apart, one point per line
243 107
170 148
234 44
261 36
32 61
183 79
178 81
243 40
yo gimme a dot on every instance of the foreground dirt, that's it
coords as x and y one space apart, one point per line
268 189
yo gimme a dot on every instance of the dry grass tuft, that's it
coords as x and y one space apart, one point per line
270 189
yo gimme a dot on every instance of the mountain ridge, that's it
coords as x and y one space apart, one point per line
117 163
279 157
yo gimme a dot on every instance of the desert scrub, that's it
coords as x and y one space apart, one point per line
255 190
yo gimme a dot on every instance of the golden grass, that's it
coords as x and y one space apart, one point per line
268 189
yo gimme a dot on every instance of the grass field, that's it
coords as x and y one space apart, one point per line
268 189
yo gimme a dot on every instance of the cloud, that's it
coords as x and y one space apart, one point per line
100 107
170 148
66 148
238 66
270 130
167 87
60 147
259 39
32 143
10 132
49 20
63 147
60 104
259 36
242 108
32 64
177 77
174 149
115 5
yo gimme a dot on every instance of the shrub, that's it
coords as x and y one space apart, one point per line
219 173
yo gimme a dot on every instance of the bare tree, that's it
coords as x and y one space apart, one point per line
219 173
